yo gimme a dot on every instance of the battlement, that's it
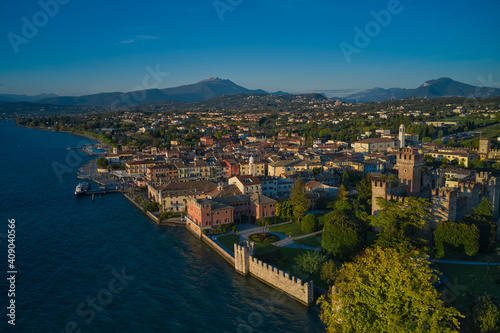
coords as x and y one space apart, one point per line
245 263
379 183
469 185
398 198
444 192
280 273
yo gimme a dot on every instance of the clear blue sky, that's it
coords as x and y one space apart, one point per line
292 45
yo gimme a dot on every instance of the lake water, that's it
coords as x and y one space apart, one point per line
103 266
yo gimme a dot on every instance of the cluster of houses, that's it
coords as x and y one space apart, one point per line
231 180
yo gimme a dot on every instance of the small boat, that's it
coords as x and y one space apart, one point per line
82 188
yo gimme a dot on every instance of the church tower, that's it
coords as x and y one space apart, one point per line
409 164
251 166
401 136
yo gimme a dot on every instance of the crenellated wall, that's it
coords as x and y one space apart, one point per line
246 264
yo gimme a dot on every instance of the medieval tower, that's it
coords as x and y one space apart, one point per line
402 136
484 148
409 164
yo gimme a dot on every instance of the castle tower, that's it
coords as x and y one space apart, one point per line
401 136
409 164
380 188
242 254
484 148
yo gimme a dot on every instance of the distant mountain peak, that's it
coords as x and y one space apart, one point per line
442 87
440 80
211 79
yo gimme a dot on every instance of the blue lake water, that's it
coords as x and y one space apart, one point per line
103 266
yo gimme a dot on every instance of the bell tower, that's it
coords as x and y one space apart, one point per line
409 164
402 136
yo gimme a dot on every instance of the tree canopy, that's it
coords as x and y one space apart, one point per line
402 221
456 234
309 224
387 290
298 199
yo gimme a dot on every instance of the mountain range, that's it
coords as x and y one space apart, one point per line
443 87
196 92
215 87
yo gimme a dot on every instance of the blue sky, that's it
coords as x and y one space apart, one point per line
292 45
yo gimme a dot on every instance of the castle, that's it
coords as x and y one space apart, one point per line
450 199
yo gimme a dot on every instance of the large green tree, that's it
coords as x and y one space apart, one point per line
456 234
309 224
401 221
284 210
486 316
298 199
387 290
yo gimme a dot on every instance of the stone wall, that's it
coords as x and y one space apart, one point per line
246 264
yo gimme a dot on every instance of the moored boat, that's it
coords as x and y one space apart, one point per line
82 188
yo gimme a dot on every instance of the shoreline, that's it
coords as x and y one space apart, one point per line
87 136
83 135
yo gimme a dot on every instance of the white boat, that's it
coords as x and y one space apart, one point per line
82 188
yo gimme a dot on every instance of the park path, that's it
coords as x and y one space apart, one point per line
246 230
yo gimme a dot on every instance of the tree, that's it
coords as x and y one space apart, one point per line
284 210
310 262
403 220
342 193
484 208
341 236
345 179
456 234
364 189
102 163
487 231
387 290
486 316
309 224
322 203
298 199
329 271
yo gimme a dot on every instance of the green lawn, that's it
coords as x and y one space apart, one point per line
229 240
464 279
293 228
313 241
287 229
284 259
